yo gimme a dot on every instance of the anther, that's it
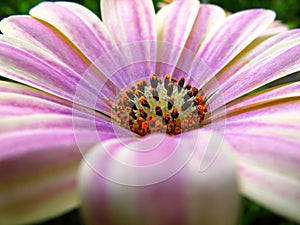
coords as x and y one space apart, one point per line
174 80
166 81
130 94
153 81
155 94
132 114
170 105
144 102
141 85
158 111
166 117
170 89
175 113
188 87
181 82
143 113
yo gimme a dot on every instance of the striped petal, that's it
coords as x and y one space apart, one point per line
174 24
132 23
28 64
239 30
270 60
266 141
261 98
129 21
38 163
272 190
41 35
78 24
160 180
208 21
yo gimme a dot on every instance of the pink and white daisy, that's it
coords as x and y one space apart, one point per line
155 149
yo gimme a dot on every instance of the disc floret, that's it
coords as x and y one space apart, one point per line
163 106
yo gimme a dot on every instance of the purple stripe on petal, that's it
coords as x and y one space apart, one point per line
33 31
208 20
30 65
276 93
112 177
174 24
278 192
38 165
132 25
84 30
238 31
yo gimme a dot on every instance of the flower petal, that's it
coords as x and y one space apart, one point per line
38 163
208 20
266 142
239 30
272 59
41 35
28 64
129 21
277 93
78 24
132 23
138 181
174 24
277 192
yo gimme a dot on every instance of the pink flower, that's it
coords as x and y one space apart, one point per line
87 93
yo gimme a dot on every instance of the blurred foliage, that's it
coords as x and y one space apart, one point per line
287 11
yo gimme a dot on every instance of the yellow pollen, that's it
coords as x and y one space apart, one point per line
163 106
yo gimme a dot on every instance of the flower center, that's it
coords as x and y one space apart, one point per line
167 106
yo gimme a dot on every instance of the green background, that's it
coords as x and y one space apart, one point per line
288 11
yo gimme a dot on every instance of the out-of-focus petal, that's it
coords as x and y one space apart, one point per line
266 141
273 190
38 163
160 180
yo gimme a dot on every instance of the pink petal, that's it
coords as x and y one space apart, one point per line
28 64
129 21
277 192
132 25
266 141
78 24
38 163
275 28
41 35
154 180
208 20
265 62
174 24
238 31
277 93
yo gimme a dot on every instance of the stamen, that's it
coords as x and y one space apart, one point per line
161 107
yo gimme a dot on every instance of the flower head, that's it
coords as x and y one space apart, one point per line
154 106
